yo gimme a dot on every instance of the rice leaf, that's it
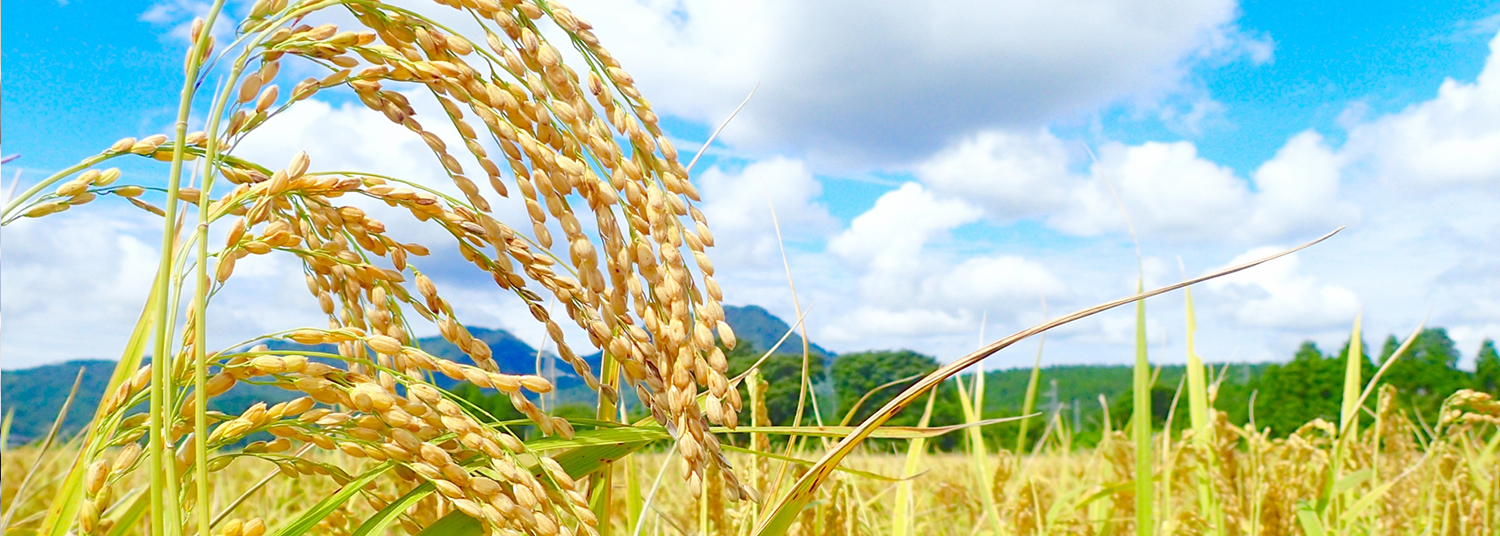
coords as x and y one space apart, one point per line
1203 432
1308 518
1368 500
1352 480
800 461
5 429
131 516
1030 402
377 523
983 478
308 521
1349 414
1141 416
70 495
902 516
454 524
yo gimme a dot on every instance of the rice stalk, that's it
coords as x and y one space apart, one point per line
901 518
1199 408
1141 429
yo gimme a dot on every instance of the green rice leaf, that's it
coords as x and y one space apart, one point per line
1307 516
305 523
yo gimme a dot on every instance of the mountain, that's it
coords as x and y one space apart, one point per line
758 326
36 394
511 354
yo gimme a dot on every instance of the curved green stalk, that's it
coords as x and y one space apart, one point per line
162 518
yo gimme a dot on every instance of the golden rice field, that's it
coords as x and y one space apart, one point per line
1390 484
613 238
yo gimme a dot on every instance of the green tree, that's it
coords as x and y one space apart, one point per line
1487 369
1294 393
856 374
783 373
1123 408
1428 373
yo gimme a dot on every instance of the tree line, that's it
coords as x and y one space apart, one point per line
1084 401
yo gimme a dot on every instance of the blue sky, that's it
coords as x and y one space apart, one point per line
931 166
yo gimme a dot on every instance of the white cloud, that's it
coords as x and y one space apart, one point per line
1279 295
1298 189
870 83
1167 189
912 285
889 238
994 281
1170 192
1451 140
738 207
179 15
1012 174
74 284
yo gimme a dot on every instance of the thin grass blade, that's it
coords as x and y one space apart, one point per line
1141 417
308 521
19 495
1203 432
983 478
10 416
902 518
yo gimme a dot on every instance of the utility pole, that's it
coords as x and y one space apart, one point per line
1052 405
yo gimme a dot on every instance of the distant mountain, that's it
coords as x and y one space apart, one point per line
511 355
763 329
36 394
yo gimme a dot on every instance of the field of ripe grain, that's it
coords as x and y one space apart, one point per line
1392 478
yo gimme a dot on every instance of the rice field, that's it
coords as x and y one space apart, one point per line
1392 479
614 246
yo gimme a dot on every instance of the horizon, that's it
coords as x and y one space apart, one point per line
832 355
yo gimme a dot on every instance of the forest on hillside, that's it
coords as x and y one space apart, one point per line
1279 396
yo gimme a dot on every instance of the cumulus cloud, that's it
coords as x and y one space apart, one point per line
889 238
1451 140
179 15
70 274
869 83
909 284
738 206
1280 295
1012 174
1169 191
1299 189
